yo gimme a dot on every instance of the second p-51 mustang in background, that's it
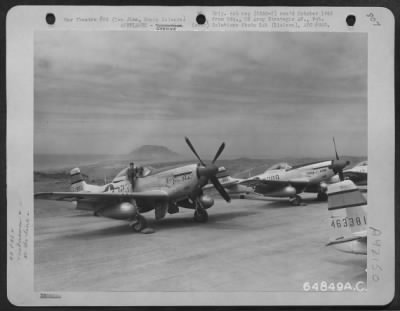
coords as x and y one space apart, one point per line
160 190
283 180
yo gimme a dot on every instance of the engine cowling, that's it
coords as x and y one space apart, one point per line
124 210
206 201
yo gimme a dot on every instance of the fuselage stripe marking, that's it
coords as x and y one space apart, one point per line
347 206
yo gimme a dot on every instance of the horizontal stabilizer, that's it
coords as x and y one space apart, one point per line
348 239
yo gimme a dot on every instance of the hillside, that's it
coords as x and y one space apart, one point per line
152 153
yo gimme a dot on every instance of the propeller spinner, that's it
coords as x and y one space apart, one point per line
209 172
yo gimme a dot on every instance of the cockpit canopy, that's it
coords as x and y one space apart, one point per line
280 166
123 175
363 163
120 175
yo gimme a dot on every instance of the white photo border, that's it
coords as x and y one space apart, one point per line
21 25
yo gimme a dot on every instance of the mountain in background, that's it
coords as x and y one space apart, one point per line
153 152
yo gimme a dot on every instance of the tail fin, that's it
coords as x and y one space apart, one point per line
347 209
77 182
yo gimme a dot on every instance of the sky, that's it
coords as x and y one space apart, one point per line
264 94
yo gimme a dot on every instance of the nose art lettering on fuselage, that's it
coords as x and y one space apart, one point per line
179 178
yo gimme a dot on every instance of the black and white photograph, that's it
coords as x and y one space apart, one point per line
175 161
139 132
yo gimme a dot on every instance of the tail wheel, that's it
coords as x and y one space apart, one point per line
200 215
140 224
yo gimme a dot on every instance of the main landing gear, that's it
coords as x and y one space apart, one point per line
200 214
139 224
322 196
296 200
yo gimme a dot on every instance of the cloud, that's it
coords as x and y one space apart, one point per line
254 86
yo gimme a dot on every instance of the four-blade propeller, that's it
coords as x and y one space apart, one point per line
208 172
338 165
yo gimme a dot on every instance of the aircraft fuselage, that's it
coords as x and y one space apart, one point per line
314 174
178 182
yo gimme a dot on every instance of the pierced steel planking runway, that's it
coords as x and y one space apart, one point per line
247 245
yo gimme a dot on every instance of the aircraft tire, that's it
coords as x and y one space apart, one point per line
140 224
322 196
296 200
200 215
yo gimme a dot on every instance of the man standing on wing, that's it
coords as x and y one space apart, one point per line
132 174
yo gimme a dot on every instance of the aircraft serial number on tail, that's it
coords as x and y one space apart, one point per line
349 222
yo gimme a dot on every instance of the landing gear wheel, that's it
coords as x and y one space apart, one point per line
322 196
296 200
200 215
140 223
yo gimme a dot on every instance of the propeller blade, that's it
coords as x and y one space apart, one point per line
220 188
221 148
194 150
203 180
338 167
334 144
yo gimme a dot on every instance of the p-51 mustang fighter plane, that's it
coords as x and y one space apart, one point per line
283 180
348 218
160 190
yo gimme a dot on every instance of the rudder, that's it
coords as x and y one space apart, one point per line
77 182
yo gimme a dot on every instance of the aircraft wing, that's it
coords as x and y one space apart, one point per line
254 182
360 234
91 196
